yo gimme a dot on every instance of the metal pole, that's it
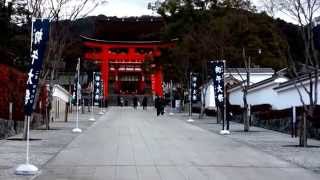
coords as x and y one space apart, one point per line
224 130
10 110
225 97
294 120
78 83
28 139
77 129
190 100
171 97
92 92
28 169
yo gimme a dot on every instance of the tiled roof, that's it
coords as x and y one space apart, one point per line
252 70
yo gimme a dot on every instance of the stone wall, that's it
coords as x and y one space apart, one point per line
12 89
283 124
9 128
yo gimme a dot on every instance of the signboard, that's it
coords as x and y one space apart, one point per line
195 95
39 38
97 88
218 81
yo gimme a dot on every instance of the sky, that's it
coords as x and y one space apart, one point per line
123 8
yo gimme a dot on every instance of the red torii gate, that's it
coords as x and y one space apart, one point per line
134 53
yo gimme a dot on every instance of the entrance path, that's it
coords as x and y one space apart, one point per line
128 144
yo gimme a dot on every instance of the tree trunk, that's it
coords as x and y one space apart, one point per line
303 130
82 106
66 112
203 103
246 112
47 119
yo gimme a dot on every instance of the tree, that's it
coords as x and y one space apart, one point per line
62 14
303 13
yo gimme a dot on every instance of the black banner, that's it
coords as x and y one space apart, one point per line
218 81
97 88
40 36
195 93
316 34
76 91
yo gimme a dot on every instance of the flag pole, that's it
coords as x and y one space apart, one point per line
101 98
27 168
92 89
224 130
77 129
171 98
190 99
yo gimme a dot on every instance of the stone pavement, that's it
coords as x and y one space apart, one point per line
128 144
278 144
46 145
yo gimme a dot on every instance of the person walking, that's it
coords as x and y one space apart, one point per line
157 105
135 102
162 105
144 103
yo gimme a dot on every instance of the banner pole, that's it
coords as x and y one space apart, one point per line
92 89
101 98
77 129
171 98
224 131
27 168
28 139
190 99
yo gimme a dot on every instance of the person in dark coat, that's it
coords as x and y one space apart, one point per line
144 102
135 102
162 105
157 105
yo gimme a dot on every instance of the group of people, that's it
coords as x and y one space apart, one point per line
159 103
135 102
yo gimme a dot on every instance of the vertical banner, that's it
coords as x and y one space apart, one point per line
316 33
218 81
194 87
97 87
77 86
39 38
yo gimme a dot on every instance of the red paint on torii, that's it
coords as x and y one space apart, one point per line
101 53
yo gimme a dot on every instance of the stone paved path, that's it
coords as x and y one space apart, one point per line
127 144
275 143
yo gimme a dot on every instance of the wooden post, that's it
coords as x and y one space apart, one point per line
294 120
10 110
82 106
66 112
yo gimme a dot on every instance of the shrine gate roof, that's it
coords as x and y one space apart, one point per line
137 43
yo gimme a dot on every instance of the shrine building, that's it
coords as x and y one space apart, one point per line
121 65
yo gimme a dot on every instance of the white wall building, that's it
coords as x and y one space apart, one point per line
60 99
256 74
235 75
279 96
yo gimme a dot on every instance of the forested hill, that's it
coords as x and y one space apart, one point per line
203 35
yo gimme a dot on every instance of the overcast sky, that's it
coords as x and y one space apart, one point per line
122 8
